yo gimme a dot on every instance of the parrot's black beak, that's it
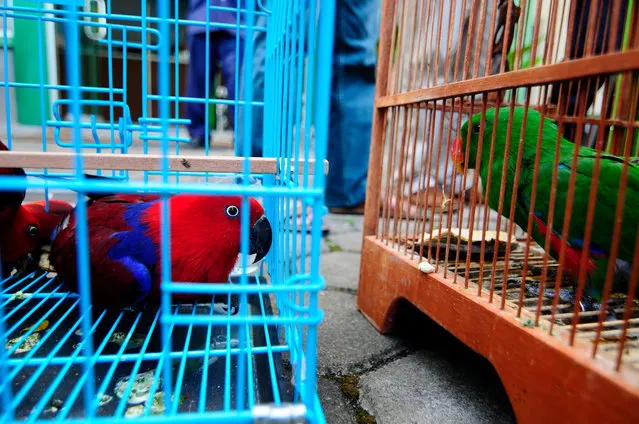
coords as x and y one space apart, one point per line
260 238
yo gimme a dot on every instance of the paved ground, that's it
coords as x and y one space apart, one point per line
420 375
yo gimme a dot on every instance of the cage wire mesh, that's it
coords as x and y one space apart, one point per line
112 121
567 73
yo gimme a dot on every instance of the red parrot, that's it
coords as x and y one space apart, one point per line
124 245
24 228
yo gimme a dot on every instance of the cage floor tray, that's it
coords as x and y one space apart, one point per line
46 356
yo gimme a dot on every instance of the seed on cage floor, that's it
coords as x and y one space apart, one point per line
105 399
157 406
26 345
135 341
53 407
141 388
220 342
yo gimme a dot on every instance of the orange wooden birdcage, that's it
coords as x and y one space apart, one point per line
556 316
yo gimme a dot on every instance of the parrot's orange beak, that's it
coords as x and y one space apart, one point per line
457 154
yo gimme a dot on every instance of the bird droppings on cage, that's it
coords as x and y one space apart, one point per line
426 267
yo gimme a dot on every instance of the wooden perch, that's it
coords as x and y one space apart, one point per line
141 162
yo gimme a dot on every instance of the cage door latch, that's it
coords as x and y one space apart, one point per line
284 413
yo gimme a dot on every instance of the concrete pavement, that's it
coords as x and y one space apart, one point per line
422 374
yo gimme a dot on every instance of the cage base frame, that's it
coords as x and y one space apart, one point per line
541 374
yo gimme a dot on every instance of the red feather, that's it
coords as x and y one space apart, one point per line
572 258
205 243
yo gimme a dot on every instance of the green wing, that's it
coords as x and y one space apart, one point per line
605 202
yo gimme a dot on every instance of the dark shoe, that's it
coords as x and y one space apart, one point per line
353 210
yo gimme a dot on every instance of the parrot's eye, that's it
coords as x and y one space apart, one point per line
232 211
476 128
32 230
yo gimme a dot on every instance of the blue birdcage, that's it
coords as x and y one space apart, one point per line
113 119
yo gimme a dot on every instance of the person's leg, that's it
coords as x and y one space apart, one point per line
258 63
226 47
195 86
352 98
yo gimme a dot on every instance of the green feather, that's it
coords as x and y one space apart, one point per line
607 193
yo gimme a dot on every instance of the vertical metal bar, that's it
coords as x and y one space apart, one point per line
176 78
322 121
144 78
426 58
520 36
7 92
551 34
436 181
533 197
472 25
426 159
511 214
461 201
472 196
245 216
458 57
165 217
82 232
376 158
478 46
487 187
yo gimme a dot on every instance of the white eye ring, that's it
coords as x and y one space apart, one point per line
232 211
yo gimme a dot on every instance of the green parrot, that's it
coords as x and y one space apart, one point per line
606 195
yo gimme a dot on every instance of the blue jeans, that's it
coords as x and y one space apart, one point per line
351 101
221 48
259 61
